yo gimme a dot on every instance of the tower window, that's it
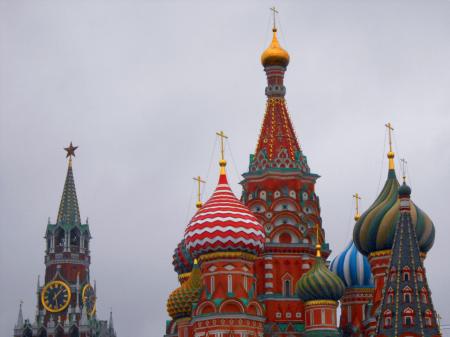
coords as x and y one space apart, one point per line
387 319
287 288
212 284
407 298
230 283
408 319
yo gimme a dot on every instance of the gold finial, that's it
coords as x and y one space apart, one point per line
357 198
274 12
274 55
199 180
70 152
390 153
318 245
195 261
222 161
404 163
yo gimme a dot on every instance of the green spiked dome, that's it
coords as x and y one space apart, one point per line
374 231
319 283
180 301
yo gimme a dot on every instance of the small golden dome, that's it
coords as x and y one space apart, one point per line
275 55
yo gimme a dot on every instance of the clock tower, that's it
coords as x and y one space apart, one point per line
66 301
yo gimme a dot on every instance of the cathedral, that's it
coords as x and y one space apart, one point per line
258 266
66 301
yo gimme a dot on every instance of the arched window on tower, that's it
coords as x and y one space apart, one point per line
75 240
393 273
49 241
287 285
419 274
387 319
59 240
407 294
408 317
86 241
424 295
212 284
406 274
428 318
390 296
230 284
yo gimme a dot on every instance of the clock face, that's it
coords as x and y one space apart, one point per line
88 299
55 296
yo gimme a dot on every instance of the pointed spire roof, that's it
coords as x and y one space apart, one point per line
277 146
19 323
406 274
69 212
111 323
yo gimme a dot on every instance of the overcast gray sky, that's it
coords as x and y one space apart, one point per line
141 87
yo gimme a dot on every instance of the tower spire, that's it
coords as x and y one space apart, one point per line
199 181
391 153
69 213
19 323
357 198
412 313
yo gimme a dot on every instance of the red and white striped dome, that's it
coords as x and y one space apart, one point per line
224 224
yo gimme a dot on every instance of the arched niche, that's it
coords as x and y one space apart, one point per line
231 306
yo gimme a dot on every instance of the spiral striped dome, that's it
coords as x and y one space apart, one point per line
224 224
319 283
180 301
182 260
374 231
353 268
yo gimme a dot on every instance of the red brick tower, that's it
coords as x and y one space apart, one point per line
66 303
279 189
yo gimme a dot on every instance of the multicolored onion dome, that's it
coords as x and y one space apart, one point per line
182 260
274 55
353 268
224 224
180 301
319 283
374 231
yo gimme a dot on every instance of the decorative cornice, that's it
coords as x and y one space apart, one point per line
227 255
321 302
380 253
387 252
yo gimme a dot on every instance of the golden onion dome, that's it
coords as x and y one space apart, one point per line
180 301
274 55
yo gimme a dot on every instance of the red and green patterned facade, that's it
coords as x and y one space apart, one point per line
262 261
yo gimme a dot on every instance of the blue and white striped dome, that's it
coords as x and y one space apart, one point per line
353 268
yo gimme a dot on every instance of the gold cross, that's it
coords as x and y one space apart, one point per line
274 12
357 198
318 245
404 163
222 136
199 187
390 129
